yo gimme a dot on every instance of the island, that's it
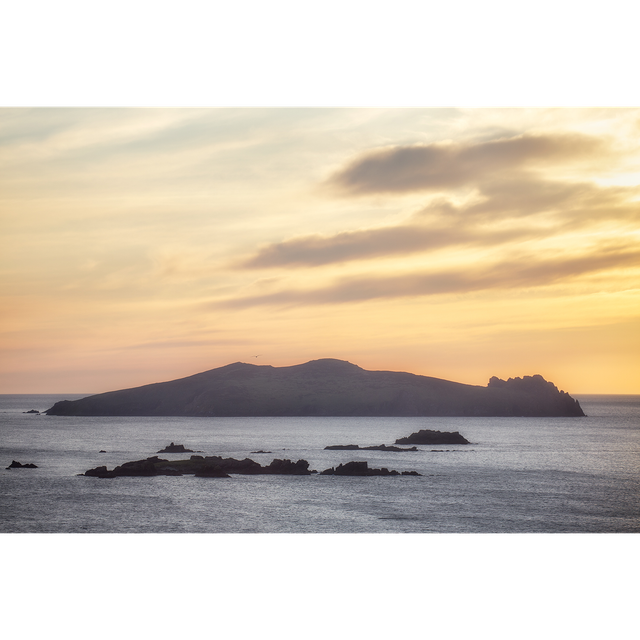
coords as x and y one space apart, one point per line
427 436
325 387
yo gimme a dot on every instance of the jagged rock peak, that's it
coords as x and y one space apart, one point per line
527 383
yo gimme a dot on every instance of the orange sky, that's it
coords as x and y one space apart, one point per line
142 245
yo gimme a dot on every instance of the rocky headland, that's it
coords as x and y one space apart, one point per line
324 387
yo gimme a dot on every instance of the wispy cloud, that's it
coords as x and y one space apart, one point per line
315 250
478 223
447 165
516 272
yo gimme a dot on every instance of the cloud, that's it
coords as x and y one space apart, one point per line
521 272
444 224
527 196
509 186
440 165
316 250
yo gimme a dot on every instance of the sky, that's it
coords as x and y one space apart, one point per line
147 244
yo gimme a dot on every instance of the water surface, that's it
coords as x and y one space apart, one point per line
518 475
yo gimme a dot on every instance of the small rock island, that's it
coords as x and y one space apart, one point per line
361 468
427 436
175 448
17 465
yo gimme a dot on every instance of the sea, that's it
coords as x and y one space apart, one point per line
518 475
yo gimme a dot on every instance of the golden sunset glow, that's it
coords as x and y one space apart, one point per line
142 245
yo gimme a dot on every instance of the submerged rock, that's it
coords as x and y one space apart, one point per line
427 436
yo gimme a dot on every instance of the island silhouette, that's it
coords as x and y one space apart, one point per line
325 387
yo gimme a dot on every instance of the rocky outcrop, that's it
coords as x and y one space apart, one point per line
288 468
31 411
324 388
355 447
534 396
202 466
16 465
140 467
219 467
361 468
100 472
427 436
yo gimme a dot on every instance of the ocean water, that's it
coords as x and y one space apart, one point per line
519 475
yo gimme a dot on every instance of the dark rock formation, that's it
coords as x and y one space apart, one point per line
202 466
355 447
100 472
324 388
175 448
361 468
261 451
343 447
31 411
231 465
289 468
427 436
219 467
139 467
16 465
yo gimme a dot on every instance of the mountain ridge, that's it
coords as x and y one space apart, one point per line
324 387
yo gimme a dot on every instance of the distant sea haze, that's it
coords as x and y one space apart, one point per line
325 387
